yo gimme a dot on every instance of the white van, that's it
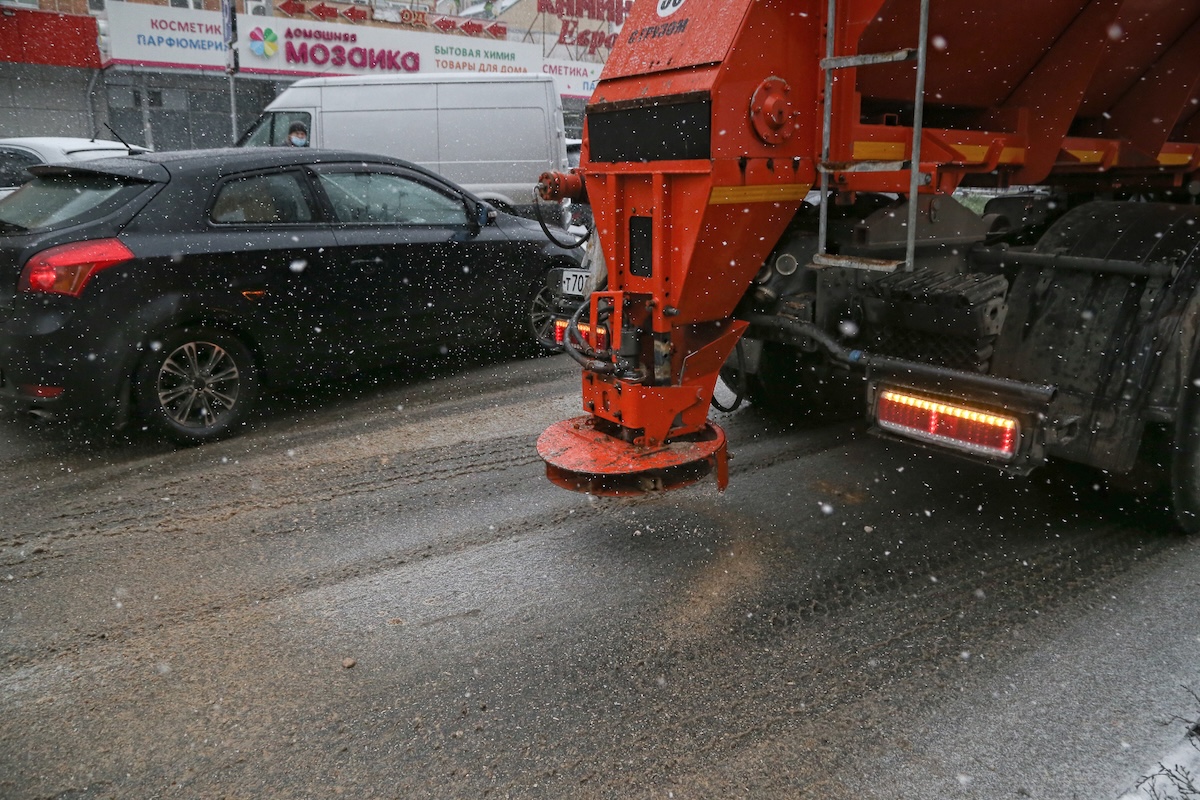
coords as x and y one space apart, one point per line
493 135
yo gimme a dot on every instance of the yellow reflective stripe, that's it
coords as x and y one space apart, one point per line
976 153
771 193
1088 156
895 151
878 151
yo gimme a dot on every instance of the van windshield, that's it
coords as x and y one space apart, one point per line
271 129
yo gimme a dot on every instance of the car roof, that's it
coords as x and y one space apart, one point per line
239 158
214 163
68 144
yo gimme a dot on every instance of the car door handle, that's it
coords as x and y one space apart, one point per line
366 266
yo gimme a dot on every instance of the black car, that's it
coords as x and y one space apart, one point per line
172 287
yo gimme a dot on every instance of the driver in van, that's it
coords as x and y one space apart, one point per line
298 135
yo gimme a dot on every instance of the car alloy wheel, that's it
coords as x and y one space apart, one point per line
197 385
541 319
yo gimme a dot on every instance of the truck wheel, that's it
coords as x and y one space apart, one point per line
1185 455
775 388
790 383
196 385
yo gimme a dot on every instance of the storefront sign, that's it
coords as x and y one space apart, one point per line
161 37
613 11
571 12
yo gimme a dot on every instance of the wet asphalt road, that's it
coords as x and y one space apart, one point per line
376 594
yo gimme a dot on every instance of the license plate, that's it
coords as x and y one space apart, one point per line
575 281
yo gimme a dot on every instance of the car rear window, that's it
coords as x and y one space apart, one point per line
52 201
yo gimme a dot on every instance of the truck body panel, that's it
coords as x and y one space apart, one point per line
1055 321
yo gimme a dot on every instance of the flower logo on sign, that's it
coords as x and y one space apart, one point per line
263 42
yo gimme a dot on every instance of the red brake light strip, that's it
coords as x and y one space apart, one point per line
972 430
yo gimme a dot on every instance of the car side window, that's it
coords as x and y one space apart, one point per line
386 198
276 198
14 166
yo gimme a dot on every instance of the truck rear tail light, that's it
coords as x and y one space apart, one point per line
66 269
585 329
973 430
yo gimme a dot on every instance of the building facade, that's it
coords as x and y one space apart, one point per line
167 75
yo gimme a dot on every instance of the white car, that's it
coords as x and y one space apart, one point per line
17 155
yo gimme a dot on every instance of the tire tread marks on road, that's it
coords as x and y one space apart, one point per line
205 502
426 481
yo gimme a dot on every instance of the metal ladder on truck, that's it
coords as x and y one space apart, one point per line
830 64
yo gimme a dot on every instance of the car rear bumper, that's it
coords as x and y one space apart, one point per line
45 368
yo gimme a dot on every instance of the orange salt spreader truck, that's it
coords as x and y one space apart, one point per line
979 217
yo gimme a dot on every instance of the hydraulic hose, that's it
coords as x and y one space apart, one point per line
586 357
1003 387
538 193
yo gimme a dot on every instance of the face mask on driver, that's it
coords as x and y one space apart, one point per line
297 140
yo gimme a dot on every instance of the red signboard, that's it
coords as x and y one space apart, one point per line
41 37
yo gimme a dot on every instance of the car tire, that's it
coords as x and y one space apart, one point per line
541 321
196 385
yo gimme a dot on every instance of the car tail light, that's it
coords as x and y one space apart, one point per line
41 392
973 430
585 330
66 269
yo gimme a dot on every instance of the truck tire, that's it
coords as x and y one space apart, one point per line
790 383
765 389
